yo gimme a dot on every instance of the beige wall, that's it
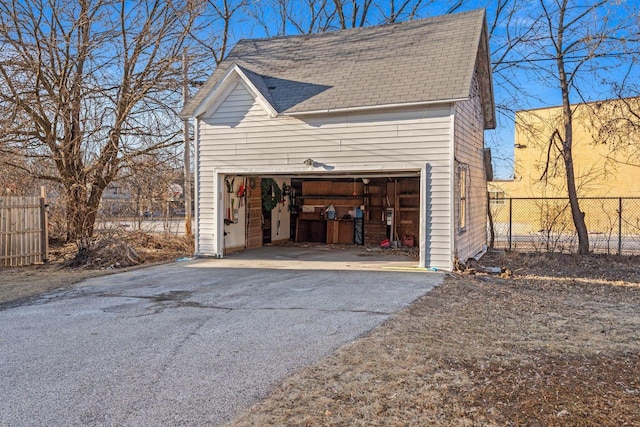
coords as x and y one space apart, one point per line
601 168
236 232
236 236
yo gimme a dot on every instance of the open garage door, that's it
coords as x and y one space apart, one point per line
362 210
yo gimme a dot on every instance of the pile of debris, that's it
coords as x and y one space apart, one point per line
492 263
104 253
409 251
120 249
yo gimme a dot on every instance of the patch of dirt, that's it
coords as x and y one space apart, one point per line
367 250
109 252
18 285
552 340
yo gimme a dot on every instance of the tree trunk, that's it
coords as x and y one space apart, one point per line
567 155
76 200
576 213
82 209
492 232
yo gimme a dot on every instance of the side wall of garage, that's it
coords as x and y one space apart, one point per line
469 156
240 137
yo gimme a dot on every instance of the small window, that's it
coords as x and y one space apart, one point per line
497 198
462 214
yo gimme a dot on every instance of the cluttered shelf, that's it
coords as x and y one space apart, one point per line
331 197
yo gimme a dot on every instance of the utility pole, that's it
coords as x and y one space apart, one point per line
187 148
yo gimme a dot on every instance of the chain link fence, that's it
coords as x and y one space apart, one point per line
162 216
546 225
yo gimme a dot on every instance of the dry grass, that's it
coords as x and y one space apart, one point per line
554 340
556 343
110 252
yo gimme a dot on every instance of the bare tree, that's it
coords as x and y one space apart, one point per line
213 30
360 13
508 31
577 38
285 17
148 181
311 16
89 86
618 127
353 13
14 181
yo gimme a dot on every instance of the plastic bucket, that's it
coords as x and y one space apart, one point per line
408 241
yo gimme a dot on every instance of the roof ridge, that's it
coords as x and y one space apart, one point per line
436 18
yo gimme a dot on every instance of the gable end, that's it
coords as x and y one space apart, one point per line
252 81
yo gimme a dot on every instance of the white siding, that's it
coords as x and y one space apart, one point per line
240 137
469 151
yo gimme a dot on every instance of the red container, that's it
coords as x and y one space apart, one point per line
408 240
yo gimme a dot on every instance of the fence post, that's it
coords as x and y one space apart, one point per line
44 223
510 220
620 226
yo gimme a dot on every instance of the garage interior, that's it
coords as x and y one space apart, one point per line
339 210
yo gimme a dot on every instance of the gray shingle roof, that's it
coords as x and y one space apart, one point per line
425 60
259 82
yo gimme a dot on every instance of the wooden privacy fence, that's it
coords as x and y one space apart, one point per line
23 230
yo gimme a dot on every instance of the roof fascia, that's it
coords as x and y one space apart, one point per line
374 107
484 61
219 91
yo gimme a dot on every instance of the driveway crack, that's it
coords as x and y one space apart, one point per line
383 313
175 299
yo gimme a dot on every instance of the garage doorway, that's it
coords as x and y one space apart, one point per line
333 210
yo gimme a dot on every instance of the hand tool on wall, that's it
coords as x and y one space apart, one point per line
241 193
229 184
234 211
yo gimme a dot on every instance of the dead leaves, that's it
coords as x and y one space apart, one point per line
526 348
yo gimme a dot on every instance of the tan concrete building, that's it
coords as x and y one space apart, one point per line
604 151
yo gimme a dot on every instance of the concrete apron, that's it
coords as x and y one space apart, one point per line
316 257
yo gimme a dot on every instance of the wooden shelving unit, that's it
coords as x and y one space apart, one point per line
375 203
407 210
336 201
377 197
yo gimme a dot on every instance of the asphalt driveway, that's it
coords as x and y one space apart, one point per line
191 343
